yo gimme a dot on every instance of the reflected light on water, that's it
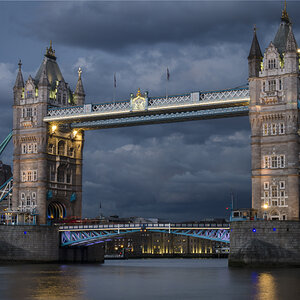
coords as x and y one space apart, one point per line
266 287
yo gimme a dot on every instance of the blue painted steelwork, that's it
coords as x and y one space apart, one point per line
5 142
166 117
90 234
6 189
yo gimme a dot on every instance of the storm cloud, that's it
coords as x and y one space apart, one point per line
182 171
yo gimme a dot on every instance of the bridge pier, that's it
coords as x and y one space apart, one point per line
41 244
264 243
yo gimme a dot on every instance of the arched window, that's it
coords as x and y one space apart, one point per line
61 148
61 174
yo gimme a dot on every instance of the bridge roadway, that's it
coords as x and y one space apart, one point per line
85 235
153 110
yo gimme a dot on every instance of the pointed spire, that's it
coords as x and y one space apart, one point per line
285 16
19 80
291 44
79 87
255 51
43 80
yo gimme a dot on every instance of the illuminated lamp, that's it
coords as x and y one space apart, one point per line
254 230
53 128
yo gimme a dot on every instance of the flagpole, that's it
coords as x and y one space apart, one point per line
114 89
168 78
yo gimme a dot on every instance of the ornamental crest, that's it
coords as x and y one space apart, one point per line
140 102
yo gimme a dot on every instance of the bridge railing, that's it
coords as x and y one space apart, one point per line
153 102
144 225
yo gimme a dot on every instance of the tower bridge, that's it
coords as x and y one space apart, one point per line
49 121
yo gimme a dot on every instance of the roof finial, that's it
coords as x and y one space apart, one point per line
285 16
50 53
254 28
79 72
20 64
139 94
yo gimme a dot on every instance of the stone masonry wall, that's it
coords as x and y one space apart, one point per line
265 243
29 243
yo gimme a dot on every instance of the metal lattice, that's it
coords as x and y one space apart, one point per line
6 189
91 234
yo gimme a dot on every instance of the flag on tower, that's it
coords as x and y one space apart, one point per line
168 74
115 80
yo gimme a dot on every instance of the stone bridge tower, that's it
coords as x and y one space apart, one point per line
47 160
274 117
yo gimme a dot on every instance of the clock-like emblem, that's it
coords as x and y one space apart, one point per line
139 102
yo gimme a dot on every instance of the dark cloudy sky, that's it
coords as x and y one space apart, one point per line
181 171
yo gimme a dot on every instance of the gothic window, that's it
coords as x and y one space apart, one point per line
34 175
71 151
51 149
34 112
23 112
280 85
266 185
29 112
272 63
272 85
281 128
29 94
274 162
29 176
61 148
22 199
52 173
266 194
29 148
274 202
69 176
264 86
64 99
34 148
282 184
24 177
60 174
282 161
23 148
274 191
28 200
266 162
273 129
265 129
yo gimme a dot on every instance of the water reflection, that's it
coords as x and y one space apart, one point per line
45 282
266 287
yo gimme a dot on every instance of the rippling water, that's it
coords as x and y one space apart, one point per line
182 279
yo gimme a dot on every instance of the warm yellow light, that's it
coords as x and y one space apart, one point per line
265 206
298 50
53 128
75 132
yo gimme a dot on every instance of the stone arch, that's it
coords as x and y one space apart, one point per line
56 210
274 215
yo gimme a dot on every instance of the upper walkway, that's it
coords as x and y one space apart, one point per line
151 110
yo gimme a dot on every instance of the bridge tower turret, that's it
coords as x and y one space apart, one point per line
47 158
274 117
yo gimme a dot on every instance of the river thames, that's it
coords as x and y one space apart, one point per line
147 279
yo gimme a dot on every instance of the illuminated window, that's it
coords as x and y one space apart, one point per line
266 162
273 129
265 129
24 177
